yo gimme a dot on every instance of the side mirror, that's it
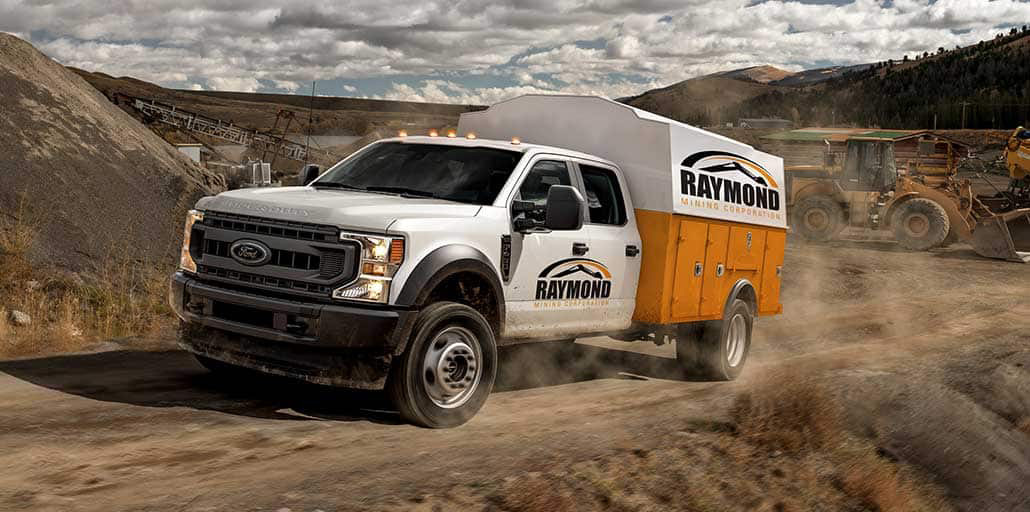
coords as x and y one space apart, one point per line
564 208
310 172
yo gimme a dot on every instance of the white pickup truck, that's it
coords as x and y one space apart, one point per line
406 265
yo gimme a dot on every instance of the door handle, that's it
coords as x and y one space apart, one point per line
579 248
632 251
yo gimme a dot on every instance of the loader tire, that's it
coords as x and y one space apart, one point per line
717 350
447 371
818 218
920 224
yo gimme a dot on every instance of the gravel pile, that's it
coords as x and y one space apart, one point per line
96 183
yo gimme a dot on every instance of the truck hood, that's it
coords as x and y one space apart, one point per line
342 208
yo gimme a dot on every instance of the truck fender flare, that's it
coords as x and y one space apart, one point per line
444 262
742 287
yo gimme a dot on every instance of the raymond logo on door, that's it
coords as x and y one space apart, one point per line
574 278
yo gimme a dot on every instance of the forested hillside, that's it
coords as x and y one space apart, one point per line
987 84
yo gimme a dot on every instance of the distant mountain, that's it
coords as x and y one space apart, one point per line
705 99
986 85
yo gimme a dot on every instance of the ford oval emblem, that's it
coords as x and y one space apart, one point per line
250 252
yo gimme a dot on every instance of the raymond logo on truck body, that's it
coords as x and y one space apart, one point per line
574 278
707 175
726 183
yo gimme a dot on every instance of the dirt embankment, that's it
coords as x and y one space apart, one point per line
94 182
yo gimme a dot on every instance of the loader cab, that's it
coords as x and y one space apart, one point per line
869 166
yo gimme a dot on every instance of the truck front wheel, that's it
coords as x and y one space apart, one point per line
447 371
718 349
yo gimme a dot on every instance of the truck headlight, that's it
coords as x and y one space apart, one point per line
186 261
380 258
373 289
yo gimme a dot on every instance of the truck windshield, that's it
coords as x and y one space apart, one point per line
455 173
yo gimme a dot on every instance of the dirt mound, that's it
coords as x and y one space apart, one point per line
92 181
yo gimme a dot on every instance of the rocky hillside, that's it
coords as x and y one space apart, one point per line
91 181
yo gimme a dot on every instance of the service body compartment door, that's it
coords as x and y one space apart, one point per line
690 263
769 291
747 249
713 290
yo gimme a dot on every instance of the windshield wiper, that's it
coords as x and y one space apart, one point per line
410 192
333 184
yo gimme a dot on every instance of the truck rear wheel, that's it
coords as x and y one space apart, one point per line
447 371
920 224
818 218
718 349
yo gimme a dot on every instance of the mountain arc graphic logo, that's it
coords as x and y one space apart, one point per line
729 162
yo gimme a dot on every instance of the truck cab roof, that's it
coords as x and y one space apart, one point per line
521 147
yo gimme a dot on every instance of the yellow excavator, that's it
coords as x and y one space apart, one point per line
924 207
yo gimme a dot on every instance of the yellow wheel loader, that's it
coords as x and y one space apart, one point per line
924 207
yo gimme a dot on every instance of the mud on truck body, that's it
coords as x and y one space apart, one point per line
406 265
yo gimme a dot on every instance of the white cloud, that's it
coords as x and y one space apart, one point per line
287 85
529 45
241 84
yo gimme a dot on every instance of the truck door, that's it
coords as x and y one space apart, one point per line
614 242
552 277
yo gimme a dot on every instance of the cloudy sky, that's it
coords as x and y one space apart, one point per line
481 51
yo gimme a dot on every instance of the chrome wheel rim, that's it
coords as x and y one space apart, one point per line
736 340
451 369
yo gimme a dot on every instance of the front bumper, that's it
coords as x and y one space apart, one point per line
324 343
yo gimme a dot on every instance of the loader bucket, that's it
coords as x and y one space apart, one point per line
1004 236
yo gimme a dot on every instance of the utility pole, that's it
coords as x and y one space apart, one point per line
311 107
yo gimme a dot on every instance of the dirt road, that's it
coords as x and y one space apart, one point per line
932 350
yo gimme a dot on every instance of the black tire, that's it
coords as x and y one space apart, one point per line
920 224
818 218
707 351
421 393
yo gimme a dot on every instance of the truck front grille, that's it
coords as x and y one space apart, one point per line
305 259
280 258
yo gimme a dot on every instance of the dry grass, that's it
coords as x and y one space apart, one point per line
71 311
789 413
800 415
